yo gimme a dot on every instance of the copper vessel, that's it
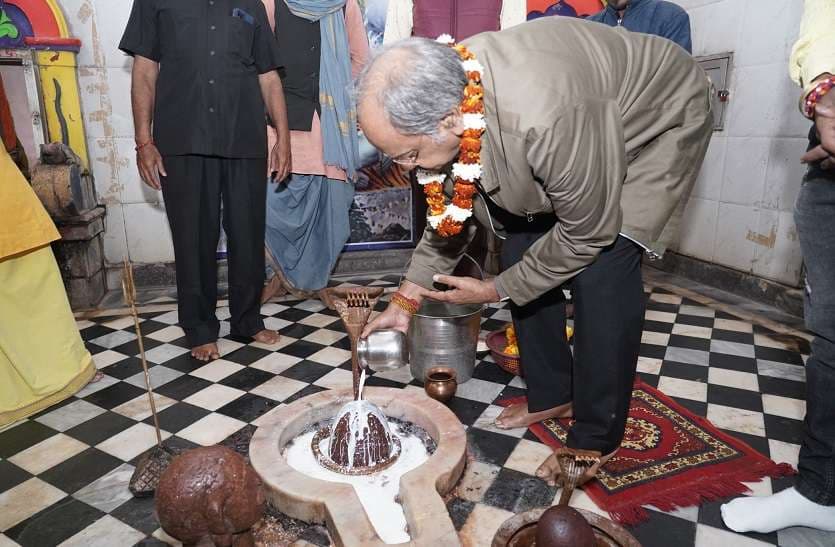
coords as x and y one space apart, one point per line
440 383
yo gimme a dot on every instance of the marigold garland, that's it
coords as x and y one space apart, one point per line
448 219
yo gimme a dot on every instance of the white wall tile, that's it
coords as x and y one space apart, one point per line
119 84
734 225
112 18
778 255
769 30
93 86
709 183
715 26
115 242
148 234
105 166
698 228
784 174
746 161
81 20
763 103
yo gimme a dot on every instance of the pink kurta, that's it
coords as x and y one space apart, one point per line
306 146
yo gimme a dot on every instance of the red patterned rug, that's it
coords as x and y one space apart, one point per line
669 458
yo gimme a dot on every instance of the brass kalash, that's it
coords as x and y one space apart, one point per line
360 441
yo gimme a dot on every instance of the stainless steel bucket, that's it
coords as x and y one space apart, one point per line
443 334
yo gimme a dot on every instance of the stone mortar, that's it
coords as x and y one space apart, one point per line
337 505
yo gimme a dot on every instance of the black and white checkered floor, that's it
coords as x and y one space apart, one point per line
64 472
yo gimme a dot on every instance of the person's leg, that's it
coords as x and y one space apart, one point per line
543 348
608 321
812 501
244 207
192 203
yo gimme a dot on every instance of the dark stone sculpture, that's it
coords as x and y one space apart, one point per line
210 491
372 444
562 526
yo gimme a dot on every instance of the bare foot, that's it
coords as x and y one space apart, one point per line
517 416
206 352
326 296
550 470
273 288
267 336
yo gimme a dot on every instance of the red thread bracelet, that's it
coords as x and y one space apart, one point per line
143 145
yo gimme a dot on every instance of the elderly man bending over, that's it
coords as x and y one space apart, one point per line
593 139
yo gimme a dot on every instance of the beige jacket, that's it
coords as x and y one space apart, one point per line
604 128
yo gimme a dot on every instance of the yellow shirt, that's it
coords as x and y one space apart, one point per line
814 51
24 223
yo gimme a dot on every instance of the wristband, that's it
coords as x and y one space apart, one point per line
813 93
140 146
405 303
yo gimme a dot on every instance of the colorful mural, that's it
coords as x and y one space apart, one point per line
39 26
570 8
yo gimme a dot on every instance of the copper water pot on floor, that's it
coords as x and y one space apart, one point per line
440 383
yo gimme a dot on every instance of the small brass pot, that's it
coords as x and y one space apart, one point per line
440 383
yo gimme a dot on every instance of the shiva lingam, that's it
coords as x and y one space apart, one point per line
561 525
360 441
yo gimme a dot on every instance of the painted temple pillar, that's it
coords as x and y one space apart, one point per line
39 70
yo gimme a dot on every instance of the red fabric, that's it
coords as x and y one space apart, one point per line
7 132
669 458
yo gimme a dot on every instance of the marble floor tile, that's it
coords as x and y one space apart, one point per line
733 378
662 316
581 500
82 324
338 378
528 456
165 538
769 342
734 325
311 305
279 388
169 318
784 406
402 375
782 452
217 370
272 308
105 381
167 334
160 375
477 478
482 525
105 532
113 339
164 352
139 408
47 453
708 536
69 416
759 488
805 537
217 395
275 363
686 389
736 419
106 358
121 323
131 442
519 382
687 356
665 298
26 499
699 311
325 337
226 346
649 365
211 429
781 370
108 492
222 313
331 356
655 338
318 320
276 323
479 390
487 422
732 348
692 330
282 342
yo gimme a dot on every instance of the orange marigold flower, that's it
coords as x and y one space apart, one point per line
449 227
465 190
433 188
461 202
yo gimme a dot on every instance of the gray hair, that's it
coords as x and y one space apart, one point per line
427 88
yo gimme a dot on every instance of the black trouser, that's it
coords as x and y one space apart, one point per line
193 192
608 319
814 216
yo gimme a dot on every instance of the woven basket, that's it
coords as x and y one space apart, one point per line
497 341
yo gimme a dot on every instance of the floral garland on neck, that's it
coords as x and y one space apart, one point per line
448 219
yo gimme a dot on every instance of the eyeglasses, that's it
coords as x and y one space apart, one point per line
407 159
